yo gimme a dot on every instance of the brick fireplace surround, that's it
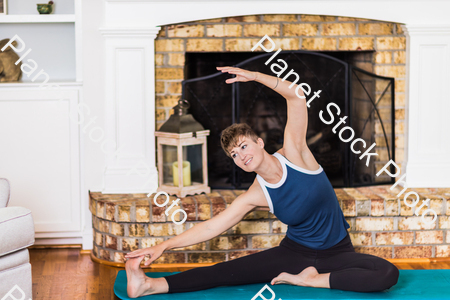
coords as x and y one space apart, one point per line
124 219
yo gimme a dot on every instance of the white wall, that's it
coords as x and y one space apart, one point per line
93 90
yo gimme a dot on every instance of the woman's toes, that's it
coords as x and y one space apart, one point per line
284 278
304 278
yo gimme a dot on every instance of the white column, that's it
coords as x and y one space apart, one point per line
130 110
428 109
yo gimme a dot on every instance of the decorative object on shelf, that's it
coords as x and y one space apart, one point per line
3 7
181 141
9 71
45 9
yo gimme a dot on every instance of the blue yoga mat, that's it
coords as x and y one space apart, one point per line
412 284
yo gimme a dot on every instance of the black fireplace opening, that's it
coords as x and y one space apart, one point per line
367 99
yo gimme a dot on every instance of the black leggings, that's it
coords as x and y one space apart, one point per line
350 271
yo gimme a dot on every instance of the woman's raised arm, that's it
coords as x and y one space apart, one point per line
273 82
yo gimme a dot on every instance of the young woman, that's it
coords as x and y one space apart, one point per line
317 250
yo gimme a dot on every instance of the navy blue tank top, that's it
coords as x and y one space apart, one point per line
306 202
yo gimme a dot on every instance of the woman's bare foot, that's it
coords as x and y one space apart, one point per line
139 284
308 277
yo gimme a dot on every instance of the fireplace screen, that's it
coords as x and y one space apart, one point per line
367 100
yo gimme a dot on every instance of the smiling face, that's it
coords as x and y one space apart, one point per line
247 154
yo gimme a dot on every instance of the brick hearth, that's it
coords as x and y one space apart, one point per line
381 224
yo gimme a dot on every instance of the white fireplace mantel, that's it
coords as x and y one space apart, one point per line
130 27
130 110
147 13
428 106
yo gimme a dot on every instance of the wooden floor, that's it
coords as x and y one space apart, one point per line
66 274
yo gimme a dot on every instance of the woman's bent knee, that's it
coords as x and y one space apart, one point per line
392 276
389 275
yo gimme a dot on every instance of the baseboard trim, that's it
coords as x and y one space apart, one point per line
49 246
188 266
419 260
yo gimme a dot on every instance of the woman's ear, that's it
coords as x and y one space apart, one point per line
261 143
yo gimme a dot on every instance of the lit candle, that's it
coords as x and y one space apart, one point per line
186 173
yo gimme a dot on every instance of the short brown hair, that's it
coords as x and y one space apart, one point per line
230 136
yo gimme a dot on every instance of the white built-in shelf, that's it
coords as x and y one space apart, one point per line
51 18
22 84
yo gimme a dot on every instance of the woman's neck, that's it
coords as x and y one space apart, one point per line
271 170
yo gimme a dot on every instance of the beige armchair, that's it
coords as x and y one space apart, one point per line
16 234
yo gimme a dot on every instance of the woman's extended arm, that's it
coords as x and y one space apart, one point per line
211 228
203 231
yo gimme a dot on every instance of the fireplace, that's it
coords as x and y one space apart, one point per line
159 34
343 48
367 100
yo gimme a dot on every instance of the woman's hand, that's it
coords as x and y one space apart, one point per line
154 252
241 75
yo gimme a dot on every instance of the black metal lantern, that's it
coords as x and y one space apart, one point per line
181 121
